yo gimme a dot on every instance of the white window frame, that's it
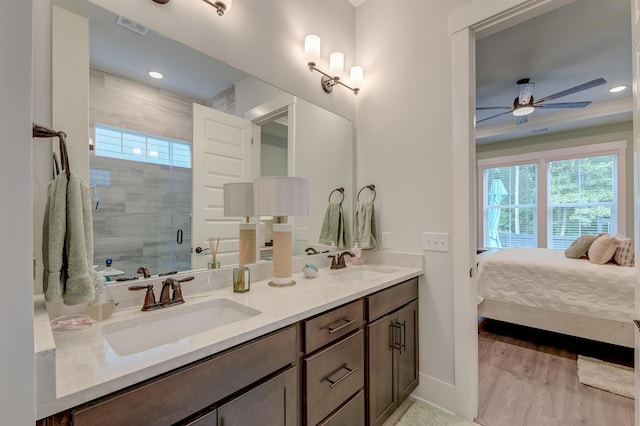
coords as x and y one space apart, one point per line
541 158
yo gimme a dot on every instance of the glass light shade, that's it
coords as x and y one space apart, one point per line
312 49
238 199
336 64
356 76
280 196
524 110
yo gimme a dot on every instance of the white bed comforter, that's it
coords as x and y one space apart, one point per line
545 278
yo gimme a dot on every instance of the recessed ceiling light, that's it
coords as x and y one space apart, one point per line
156 74
617 89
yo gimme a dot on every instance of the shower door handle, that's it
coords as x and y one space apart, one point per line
179 236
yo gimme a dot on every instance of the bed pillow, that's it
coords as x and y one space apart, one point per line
580 246
602 249
623 255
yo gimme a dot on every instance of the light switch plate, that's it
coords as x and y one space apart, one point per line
386 240
302 234
434 241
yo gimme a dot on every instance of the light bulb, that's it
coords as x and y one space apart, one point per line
356 76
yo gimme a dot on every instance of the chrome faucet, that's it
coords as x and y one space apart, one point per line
338 261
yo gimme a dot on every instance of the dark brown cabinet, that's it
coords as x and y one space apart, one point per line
392 349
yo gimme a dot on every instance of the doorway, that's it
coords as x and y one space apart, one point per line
467 24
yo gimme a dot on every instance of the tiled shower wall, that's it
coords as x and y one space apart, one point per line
142 206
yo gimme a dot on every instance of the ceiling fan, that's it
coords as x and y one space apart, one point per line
524 104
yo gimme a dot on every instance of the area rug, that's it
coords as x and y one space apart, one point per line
606 376
422 414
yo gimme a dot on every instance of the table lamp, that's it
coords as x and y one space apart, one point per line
238 201
281 196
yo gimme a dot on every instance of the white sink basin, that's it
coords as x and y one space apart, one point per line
364 272
168 325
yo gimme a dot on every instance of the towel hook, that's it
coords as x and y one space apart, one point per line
372 188
340 190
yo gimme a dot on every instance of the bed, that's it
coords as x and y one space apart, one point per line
542 288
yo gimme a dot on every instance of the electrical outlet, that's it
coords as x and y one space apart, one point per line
433 241
386 240
302 234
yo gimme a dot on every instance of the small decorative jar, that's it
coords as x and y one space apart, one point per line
310 271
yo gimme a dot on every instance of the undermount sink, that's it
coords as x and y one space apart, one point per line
157 328
364 272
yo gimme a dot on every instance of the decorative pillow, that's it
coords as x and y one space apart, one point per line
623 255
602 249
580 246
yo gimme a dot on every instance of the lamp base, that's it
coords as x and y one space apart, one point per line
289 284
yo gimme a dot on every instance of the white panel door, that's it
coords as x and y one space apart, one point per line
222 153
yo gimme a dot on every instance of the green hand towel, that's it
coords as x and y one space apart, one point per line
365 225
79 243
54 229
333 226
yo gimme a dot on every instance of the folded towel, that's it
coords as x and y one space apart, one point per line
67 243
333 226
54 229
365 225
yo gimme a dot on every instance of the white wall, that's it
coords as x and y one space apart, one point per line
16 318
404 134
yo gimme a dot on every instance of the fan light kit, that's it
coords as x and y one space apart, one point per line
336 67
524 104
617 89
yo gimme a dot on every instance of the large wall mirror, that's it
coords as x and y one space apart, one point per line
145 168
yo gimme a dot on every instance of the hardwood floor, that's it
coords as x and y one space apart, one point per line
529 377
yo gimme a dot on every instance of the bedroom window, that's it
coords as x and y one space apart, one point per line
548 199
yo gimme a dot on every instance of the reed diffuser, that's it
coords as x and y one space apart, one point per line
241 276
214 264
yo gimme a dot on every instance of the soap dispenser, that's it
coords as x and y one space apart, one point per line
103 304
357 254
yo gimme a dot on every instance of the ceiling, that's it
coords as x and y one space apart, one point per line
568 46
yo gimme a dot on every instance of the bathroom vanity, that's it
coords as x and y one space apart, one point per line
328 351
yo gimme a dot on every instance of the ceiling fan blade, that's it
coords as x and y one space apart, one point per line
593 83
495 107
521 120
494 116
564 105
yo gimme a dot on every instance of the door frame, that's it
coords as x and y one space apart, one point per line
474 20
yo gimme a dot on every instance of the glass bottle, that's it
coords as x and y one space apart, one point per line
102 305
241 279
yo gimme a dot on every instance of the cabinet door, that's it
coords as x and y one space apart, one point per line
382 384
408 352
273 403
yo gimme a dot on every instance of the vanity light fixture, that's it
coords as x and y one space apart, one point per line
281 196
221 6
336 67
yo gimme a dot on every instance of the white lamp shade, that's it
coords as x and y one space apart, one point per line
312 49
356 76
336 64
281 196
238 199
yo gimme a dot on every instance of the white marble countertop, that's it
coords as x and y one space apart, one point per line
77 366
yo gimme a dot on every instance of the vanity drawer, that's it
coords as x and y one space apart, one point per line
388 300
176 395
328 327
332 376
351 414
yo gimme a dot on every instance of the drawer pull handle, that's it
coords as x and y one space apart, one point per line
340 327
350 371
396 338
